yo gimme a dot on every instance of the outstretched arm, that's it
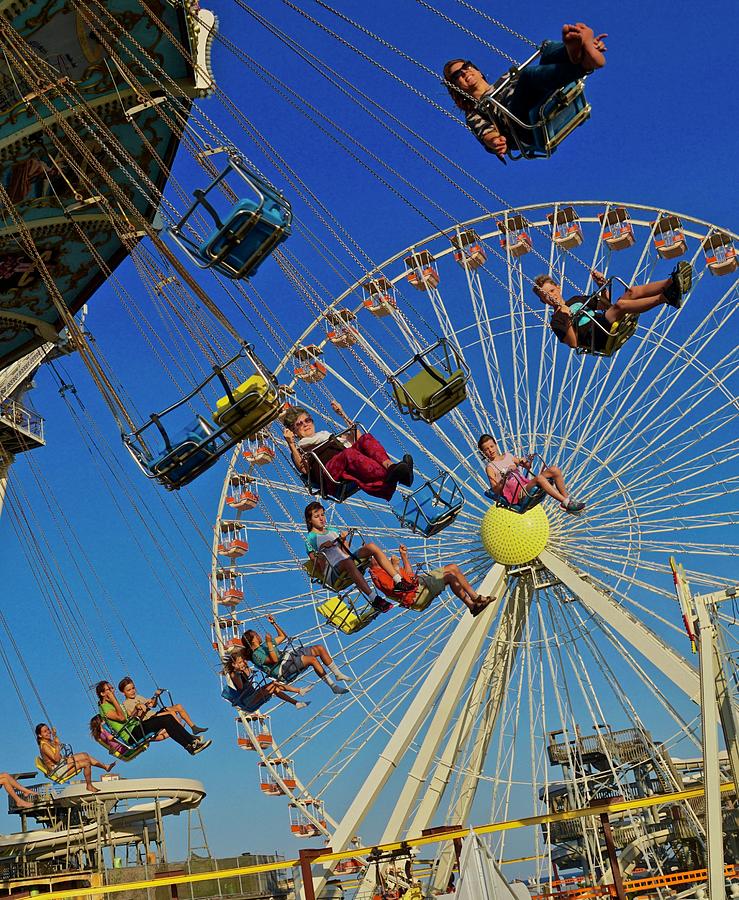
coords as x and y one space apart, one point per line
600 279
339 410
281 635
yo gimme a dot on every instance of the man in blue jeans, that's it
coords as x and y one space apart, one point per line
560 63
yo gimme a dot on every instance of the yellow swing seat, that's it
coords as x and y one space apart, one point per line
253 405
434 389
341 615
57 779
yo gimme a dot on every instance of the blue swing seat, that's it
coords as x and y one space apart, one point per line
432 507
524 504
190 452
246 234
547 126
248 699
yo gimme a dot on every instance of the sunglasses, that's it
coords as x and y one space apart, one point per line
454 76
308 420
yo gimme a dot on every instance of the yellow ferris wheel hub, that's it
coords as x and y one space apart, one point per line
514 539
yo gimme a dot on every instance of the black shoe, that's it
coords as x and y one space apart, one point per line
380 605
408 460
399 472
682 279
197 746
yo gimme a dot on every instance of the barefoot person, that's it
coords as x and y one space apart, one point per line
507 481
578 325
363 461
561 62
58 764
14 789
143 707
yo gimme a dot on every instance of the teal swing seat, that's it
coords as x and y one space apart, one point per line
182 455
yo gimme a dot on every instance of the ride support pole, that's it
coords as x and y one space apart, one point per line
306 871
605 825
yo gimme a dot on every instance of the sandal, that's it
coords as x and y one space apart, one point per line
682 279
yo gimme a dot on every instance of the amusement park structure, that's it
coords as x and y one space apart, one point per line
538 658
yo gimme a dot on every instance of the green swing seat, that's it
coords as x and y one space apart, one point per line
438 385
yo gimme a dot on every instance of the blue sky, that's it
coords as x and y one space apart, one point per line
662 132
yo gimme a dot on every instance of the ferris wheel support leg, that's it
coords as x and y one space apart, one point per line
409 725
636 633
711 769
497 670
437 728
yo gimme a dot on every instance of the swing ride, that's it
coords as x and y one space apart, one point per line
570 679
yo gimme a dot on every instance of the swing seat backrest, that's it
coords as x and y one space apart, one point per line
430 508
191 451
321 572
57 779
525 502
254 406
318 481
247 236
345 617
430 394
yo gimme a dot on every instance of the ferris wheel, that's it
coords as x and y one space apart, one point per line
444 342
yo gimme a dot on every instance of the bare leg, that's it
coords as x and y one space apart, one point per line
454 578
350 567
81 761
283 696
638 299
322 653
10 785
312 662
380 557
542 480
179 711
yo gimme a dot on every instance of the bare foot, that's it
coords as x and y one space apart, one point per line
591 56
23 804
109 767
572 40
92 789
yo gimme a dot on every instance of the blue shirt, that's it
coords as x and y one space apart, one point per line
314 540
260 658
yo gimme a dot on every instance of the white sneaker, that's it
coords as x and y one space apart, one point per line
302 704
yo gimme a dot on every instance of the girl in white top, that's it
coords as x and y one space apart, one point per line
508 481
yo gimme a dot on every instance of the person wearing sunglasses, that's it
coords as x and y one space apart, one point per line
363 461
579 53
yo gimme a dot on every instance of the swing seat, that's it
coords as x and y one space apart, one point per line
247 233
327 576
432 507
247 409
423 599
436 388
57 779
344 617
191 451
524 504
430 394
249 700
619 334
558 116
318 481
133 746
125 755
